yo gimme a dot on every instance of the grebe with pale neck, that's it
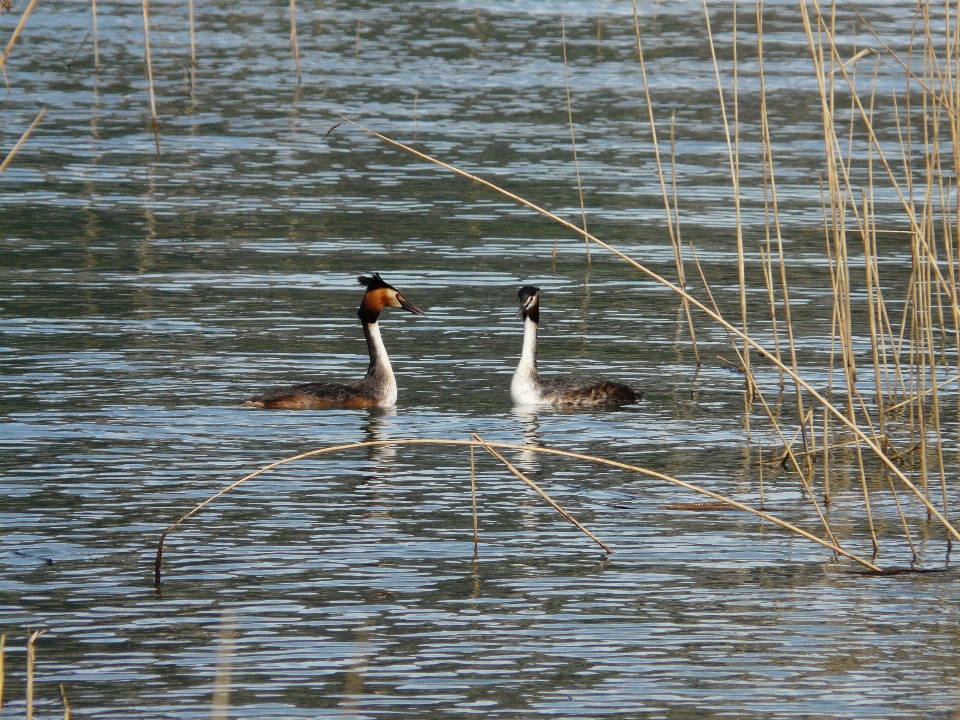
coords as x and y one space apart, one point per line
377 389
528 388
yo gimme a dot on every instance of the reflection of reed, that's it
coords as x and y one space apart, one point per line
221 683
354 680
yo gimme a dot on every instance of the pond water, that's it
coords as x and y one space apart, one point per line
141 298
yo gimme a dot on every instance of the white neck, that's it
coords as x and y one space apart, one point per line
380 374
524 387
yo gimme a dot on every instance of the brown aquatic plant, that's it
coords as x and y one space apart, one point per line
23 138
497 446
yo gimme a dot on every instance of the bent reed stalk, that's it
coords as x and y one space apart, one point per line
23 138
16 33
830 408
441 442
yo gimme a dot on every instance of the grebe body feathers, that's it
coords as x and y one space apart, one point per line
377 389
528 388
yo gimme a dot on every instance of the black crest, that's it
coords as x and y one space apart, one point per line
374 282
527 292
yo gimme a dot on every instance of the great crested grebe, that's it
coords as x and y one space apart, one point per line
528 388
377 389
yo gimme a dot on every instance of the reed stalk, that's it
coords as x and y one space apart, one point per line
760 462
441 442
79 48
23 138
193 47
96 39
905 202
146 53
31 660
66 703
16 32
294 45
753 390
914 398
3 647
734 160
599 27
674 231
812 391
573 140
678 247
536 488
770 180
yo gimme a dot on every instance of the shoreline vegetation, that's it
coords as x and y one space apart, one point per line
879 415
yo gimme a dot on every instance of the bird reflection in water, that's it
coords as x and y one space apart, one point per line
378 424
528 461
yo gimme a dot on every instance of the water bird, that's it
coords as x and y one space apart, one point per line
528 388
377 389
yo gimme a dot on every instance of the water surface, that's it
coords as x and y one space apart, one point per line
141 298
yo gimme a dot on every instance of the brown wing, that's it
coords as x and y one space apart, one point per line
588 393
313 396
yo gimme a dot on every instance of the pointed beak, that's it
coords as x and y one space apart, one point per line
524 306
410 308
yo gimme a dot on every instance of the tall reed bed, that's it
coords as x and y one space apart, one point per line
894 356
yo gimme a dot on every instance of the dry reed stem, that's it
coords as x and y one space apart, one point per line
804 480
96 39
573 141
760 463
906 202
294 45
31 659
146 52
914 398
678 247
173 56
79 48
735 177
788 451
193 46
766 264
925 261
506 446
716 317
3 647
674 231
533 486
910 74
16 32
23 138
771 175
66 703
